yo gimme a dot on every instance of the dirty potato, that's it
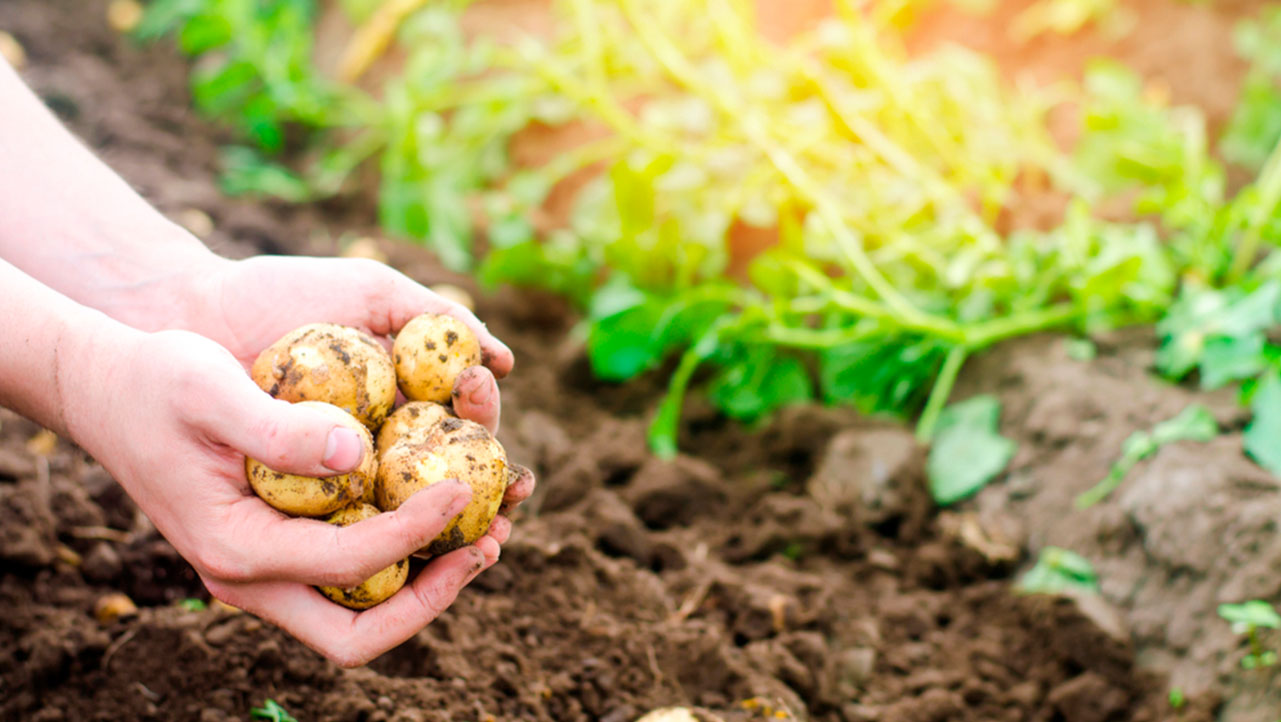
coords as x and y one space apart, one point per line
453 449
376 588
316 496
335 364
430 352
412 416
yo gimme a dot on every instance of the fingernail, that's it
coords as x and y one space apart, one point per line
480 394
343 449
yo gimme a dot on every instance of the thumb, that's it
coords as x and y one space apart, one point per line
286 437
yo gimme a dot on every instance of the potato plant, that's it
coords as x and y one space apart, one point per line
889 187
339 370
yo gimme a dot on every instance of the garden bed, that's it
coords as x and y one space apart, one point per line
796 570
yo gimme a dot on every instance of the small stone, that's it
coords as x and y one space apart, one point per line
102 563
124 15
458 295
197 222
364 247
113 606
12 51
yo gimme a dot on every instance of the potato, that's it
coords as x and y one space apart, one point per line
410 417
453 449
430 352
316 496
376 588
336 364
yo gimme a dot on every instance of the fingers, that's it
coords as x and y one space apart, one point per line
232 410
500 529
352 638
518 490
314 552
475 397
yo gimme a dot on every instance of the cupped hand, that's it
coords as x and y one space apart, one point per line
172 416
249 304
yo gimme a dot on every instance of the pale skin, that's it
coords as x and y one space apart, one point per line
122 332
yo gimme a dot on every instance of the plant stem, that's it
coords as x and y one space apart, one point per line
999 329
1269 185
940 393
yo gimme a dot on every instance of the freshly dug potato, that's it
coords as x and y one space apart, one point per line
430 352
335 364
410 417
376 588
453 449
311 496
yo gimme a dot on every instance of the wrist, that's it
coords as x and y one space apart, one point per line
92 354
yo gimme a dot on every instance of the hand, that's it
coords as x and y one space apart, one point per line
172 414
247 305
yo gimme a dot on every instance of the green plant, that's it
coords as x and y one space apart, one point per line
271 710
192 605
886 185
1255 127
1194 423
967 450
1248 618
1059 571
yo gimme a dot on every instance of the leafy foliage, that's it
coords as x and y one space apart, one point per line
271 710
1247 618
968 451
887 184
1059 571
1194 423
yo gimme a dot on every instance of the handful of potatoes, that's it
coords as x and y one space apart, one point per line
348 375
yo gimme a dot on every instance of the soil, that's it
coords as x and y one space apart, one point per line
797 570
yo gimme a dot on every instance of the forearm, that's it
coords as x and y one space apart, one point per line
70 222
46 348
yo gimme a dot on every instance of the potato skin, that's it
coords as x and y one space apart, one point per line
453 449
381 585
327 362
410 417
316 496
429 353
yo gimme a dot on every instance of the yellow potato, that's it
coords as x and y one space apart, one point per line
336 364
376 588
316 496
430 352
410 417
453 449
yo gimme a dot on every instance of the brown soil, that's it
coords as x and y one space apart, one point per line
798 569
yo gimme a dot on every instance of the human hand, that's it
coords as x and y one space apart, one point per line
172 414
247 305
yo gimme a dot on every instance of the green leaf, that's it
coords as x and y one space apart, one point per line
1080 349
272 711
622 346
204 32
1254 613
245 171
758 382
1262 437
1059 570
1193 423
887 374
967 451
1225 359
192 605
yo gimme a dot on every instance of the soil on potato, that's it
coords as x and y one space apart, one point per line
798 570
